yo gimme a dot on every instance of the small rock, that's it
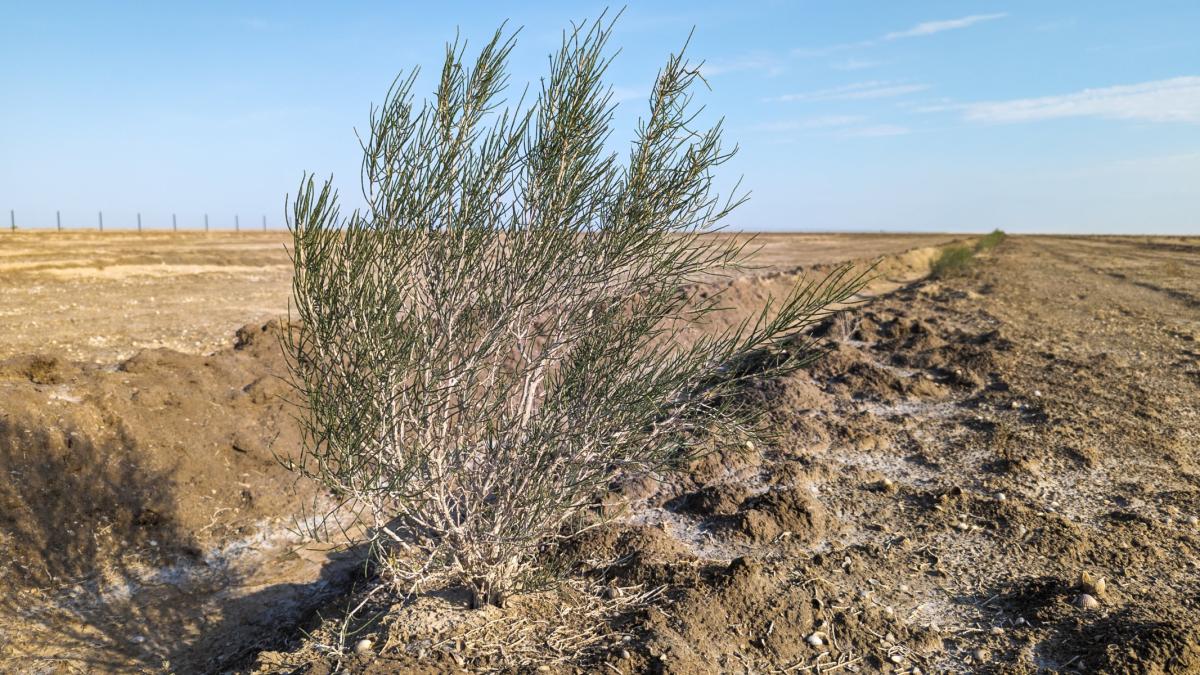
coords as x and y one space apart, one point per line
896 658
997 630
543 668
623 654
1037 393
363 646
1193 521
1087 601
1096 586
980 655
816 639
1020 621
1001 497
904 588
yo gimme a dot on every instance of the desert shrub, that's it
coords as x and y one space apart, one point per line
513 319
952 261
990 241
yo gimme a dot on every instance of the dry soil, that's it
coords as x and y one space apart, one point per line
934 491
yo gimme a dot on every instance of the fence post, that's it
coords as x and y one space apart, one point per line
12 220
139 222
237 223
264 223
206 222
174 223
58 219
101 221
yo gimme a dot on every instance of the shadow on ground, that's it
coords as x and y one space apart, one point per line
96 574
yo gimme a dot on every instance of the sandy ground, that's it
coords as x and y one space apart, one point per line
87 296
933 493
102 297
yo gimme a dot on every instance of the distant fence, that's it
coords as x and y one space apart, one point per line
99 225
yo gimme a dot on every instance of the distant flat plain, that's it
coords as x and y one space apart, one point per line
92 296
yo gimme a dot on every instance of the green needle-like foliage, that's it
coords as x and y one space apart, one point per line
514 319
989 241
952 261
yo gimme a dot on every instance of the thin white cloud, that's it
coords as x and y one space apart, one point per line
829 126
919 30
809 123
1051 26
875 131
623 94
760 63
1172 100
856 64
829 50
932 27
1179 164
854 92
258 24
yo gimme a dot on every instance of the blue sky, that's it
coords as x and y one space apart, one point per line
1033 116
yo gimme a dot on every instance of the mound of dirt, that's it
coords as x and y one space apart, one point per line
722 499
158 471
929 497
787 512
